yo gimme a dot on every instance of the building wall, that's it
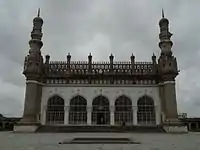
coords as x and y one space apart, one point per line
111 92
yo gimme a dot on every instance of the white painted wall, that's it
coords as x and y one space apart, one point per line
89 92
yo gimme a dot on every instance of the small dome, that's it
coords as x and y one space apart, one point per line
38 19
163 20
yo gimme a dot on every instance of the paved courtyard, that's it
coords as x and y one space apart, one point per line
50 141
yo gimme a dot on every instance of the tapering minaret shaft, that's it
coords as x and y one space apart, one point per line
33 69
167 68
165 43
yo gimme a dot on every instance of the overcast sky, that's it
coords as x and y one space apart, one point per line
121 27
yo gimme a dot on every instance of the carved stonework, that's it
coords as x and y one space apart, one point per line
58 72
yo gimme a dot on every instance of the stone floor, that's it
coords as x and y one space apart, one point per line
49 141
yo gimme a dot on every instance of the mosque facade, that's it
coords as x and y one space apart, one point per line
91 93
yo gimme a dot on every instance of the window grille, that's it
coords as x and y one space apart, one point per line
78 110
100 111
146 111
123 111
55 110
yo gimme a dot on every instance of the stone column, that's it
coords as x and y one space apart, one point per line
89 115
66 118
189 126
43 117
197 125
112 115
157 115
135 116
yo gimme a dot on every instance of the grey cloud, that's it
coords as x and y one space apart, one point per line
101 27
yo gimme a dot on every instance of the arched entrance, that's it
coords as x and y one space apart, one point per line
78 110
100 111
146 111
123 111
55 110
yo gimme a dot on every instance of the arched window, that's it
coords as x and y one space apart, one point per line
146 111
78 110
100 111
55 110
123 111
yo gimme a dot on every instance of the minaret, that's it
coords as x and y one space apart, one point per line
165 43
90 63
90 67
153 58
132 62
167 69
68 61
33 69
111 57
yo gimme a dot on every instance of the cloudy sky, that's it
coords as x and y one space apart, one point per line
121 27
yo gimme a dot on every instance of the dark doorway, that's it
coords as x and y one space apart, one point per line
101 118
100 111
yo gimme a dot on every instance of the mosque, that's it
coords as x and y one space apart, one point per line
100 94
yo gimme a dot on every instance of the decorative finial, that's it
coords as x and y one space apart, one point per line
38 12
163 15
111 56
132 56
153 54
90 54
47 59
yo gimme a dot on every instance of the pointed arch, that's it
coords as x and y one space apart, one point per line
123 110
78 110
55 110
100 110
146 111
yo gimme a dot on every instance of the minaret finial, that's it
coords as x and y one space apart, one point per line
38 12
36 33
163 15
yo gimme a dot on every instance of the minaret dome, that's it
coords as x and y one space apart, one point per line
163 20
38 19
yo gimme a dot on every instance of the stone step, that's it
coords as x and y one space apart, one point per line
100 140
72 129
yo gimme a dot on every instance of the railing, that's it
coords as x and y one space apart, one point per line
98 62
98 68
